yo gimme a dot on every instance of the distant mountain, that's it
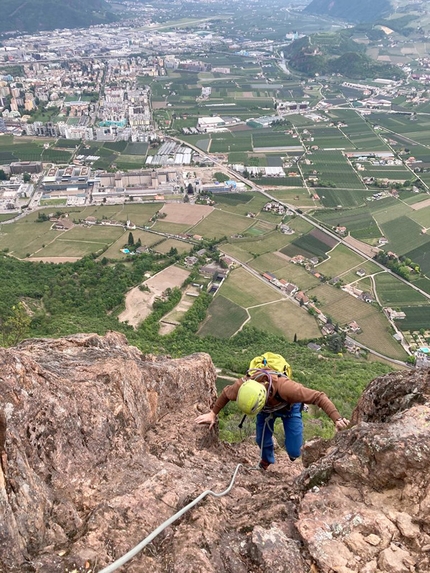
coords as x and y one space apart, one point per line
35 15
350 10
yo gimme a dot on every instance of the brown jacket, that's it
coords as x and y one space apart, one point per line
289 391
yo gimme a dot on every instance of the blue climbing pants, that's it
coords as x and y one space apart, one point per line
293 428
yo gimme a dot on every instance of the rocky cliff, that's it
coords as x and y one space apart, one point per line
98 448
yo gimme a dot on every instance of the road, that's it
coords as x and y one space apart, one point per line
310 220
293 300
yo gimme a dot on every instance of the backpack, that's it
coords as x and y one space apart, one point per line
267 364
273 363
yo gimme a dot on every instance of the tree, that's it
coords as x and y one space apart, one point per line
130 239
3 176
26 177
16 326
336 342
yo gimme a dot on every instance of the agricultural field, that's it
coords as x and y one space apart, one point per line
31 149
234 250
359 222
396 173
329 138
404 235
358 131
244 289
220 224
351 276
332 168
25 237
261 227
335 198
80 241
282 269
296 197
286 319
165 246
417 317
240 203
224 318
393 292
273 241
314 244
421 255
342 308
147 239
341 260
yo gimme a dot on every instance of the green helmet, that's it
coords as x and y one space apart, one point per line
251 397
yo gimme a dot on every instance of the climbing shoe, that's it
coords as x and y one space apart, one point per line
263 465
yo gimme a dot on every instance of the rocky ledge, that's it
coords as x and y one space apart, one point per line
98 448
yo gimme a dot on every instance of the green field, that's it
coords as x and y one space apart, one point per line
342 197
342 308
244 289
240 203
393 292
220 224
273 241
165 246
307 245
224 318
282 269
147 239
417 317
80 241
341 260
332 168
285 318
358 222
421 255
296 197
404 235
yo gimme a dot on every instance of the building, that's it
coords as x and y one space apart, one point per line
422 357
20 167
69 179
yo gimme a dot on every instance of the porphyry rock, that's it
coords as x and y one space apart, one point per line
367 497
98 447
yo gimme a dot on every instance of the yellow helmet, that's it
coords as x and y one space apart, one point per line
251 397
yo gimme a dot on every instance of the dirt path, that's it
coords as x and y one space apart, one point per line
53 259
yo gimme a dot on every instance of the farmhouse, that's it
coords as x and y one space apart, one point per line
354 327
328 329
394 314
301 297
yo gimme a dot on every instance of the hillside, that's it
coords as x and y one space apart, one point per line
98 448
336 53
363 11
35 15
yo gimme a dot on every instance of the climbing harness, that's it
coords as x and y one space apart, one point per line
122 560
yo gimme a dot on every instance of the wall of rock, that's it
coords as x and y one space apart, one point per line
98 447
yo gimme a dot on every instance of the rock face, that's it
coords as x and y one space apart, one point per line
98 447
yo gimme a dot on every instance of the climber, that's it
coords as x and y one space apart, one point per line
270 396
